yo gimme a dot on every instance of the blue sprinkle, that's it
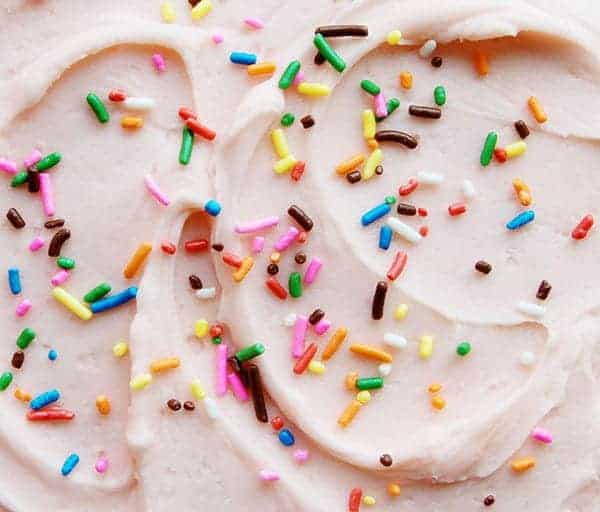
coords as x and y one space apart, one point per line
212 207
69 464
14 281
44 399
112 301
242 58
520 220
52 355
375 214
385 237
286 437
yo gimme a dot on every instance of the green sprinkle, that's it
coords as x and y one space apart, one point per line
488 148
392 104
250 352
25 338
390 200
369 383
216 340
19 179
5 380
463 348
98 107
48 161
289 74
187 144
66 263
295 284
97 293
371 87
287 119
439 95
329 53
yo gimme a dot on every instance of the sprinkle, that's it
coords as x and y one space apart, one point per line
316 367
217 38
322 327
120 349
457 209
463 348
25 338
406 209
23 308
285 164
287 119
523 192
137 260
364 397
71 303
375 159
425 112
329 53
199 129
197 390
368 383
103 404
187 144
542 435
211 408
380 105
488 148
527 358
112 301
537 110
140 381
158 61
221 363
368 124
258 397
275 286
483 266
354 500
261 68
401 311
34 157
8 166
161 365
280 143
500 155
385 237
295 285
394 490
406 139
195 282
489 500
97 107
397 265
305 359
406 80
307 121
409 188
57 241
384 369
50 414
437 402
371 352
242 58
543 290
375 214
393 38
298 79
349 413
254 22
531 309
370 87
334 343
132 122
60 277
425 347
33 181
268 476
289 74
312 270
245 267
436 62
69 464
96 293
36 244
23 396
65 263
200 10
522 128
427 49
482 65
394 340
256 225
287 239
44 399
19 179
14 217
343 30
101 465
314 89
5 380
520 220
439 95
582 229
237 386
258 244
300 216
353 177
522 465
369 500
250 352
391 106
404 230
350 381
14 281
117 95
301 456
516 149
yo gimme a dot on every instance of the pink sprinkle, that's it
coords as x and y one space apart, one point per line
299 78
288 239
322 326
101 464
312 270
256 225
217 38
23 307
258 244
36 244
237 386
60 277
268 476
8 166
254 22
47 194
159 62
221 369
380 106
33 158
299 336
301 455
542 435
155 191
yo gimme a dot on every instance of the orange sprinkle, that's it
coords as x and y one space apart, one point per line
523 192
131 122
334 343
137 260
481 63
261 68
275 257
373 144
406 80
371 352
242 272
393 490
537 110
434 387
522 465
103 404
351 380
160 365
438 402
349 413
22 395
349 165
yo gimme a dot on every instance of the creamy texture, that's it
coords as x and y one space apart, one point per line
444 460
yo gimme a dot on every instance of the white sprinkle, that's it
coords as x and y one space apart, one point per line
427 49
139 103
206 293
211 408
290 320
404 230
468 189
430 178
531 309
384 369
394 340
527 358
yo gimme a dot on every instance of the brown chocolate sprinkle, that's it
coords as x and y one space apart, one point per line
386 460
218 247
307 121
406 209
189 405
59 238
343 30
436 62
18 359
296 213
54 223
379 300
489 500
14 217
483 266
258 396
319 59
195 282
521 128
33 181
426 112
300 258
353 177
406 139
194 3
316 316
544 290
174 404
379 170
272 269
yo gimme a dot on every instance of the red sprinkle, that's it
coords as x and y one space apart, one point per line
409 188
422 212
117 95
199 129
276 288
232 260
216 330
457 209
582 229
276 423
298 171
196 245
423 231
397 265
168 247
354 500
302 237
500 155
51 414
186 113
305 359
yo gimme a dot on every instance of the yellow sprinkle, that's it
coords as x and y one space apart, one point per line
316 367
515 149
438 402
22 395
71 303
394 490
368 123
372 144
120 349
401 311
371 352
481 63
313 89
406 80
426 347
167 11
201 10
103 404
140 381
363 396
369 500
352 163
350 380
275 257
201 328
280 144
132 122
285 164
373 161
394 37
349 413
521 465
137 260
197 389
334 343
245 267
537 110
434 387
261 68
168 363
523 192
